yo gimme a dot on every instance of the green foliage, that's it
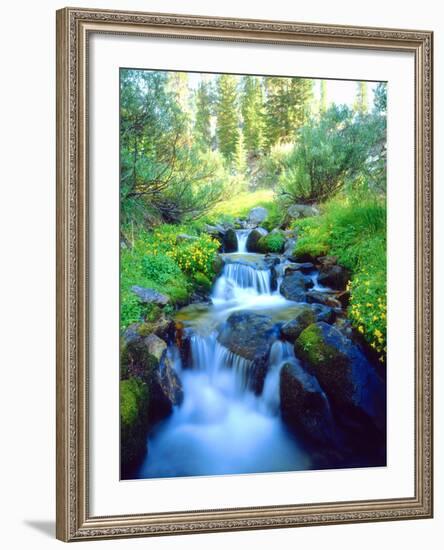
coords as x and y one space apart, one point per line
133 395
312 347
252 109
164 175
159 261
354 230
273 242
330 153
271 165
202 281
287 107
227 129
134 400
159 268
380 98
204 108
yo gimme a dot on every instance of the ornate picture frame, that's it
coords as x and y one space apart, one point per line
74 519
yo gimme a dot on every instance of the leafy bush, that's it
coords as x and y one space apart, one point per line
159 261
355 232
330 153
273 242
159 268
271 165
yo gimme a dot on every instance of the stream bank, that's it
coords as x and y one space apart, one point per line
264 376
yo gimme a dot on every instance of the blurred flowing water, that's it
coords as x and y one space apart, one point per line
222 427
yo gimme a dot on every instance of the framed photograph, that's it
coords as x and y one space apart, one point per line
244 274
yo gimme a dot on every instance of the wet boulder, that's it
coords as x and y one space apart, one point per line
303 317
230 240
304 267
295 285
304 406
324 298
253 239
334 276
150 296
350 382
145 359
250 335
257 215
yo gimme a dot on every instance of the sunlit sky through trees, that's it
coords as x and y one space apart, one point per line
341 92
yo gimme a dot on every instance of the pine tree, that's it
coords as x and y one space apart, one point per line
252 106
361 102
240 157
287 107
202 125
227 128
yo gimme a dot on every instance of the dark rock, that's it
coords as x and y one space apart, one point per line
323 313
250 336
230 240
289 245
294 286
324 298
150 296
346 376
183 343
305 267
254 238
344 298
218 264
334 276
326 262
155 346
145 359
304 406
304 316
257 215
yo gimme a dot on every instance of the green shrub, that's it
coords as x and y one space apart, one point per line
159 268
354 231
273 242
202 281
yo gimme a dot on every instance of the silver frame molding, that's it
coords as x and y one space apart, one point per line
74 521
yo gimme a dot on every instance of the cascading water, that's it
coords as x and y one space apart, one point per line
222 427
242 238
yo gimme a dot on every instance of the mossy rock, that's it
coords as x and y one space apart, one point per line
302 319
134 405
345 374
137 362
273 242
312 347
202 282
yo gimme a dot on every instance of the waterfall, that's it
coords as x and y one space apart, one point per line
209 356
222 427
242 237
280 353
237 277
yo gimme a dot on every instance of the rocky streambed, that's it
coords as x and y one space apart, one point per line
264 376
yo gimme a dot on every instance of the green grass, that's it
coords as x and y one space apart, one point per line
355 232
173 267
240 204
